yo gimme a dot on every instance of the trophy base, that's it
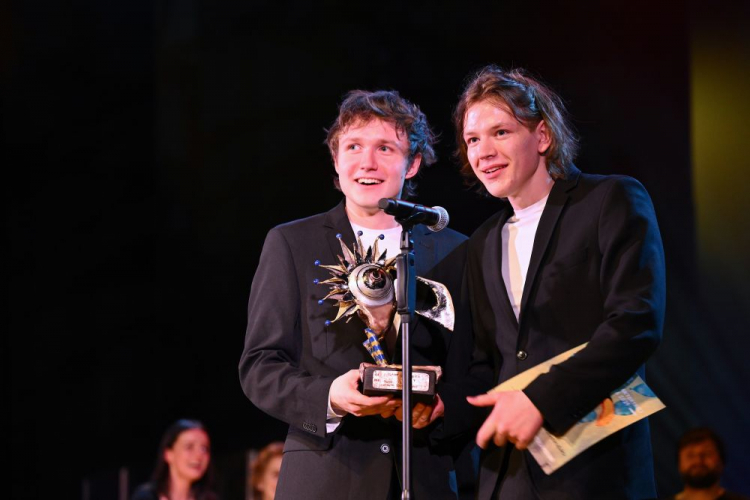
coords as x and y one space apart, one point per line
388 380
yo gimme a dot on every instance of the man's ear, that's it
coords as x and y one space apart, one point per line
414 167
545 138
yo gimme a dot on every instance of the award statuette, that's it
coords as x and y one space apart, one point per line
362 283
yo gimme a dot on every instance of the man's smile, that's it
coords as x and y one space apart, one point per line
368 181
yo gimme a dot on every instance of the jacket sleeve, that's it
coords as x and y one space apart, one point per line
633 289
272 371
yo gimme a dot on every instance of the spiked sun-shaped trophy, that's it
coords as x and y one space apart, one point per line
362 283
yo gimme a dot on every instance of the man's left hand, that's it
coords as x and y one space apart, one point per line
514 418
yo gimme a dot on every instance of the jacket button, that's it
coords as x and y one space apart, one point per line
385 449
521 355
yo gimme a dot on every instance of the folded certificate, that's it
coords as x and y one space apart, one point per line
626 405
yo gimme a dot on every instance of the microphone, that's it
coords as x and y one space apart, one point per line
435 218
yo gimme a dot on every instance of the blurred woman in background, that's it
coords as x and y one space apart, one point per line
264 471
183 465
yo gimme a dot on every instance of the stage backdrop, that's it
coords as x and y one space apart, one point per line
153 144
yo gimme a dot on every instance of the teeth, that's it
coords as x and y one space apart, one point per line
491 170
369 181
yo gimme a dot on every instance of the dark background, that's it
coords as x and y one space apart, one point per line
150 145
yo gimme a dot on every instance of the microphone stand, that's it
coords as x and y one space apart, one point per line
406 293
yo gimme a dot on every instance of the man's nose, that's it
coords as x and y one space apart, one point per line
368 160
487 149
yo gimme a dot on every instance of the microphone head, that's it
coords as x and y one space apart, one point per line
442 222
385 203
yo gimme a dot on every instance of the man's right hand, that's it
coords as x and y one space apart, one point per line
514 418
346 398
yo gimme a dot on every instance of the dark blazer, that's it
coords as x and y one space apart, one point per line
596 275
291 358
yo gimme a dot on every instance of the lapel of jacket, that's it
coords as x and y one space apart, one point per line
558 198
424 249
493 262
336 222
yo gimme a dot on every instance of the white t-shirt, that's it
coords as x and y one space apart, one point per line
391 241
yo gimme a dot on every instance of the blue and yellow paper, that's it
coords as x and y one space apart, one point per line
626 405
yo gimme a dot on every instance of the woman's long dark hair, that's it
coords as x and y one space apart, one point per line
201 489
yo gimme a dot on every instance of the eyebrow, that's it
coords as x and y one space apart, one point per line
495 126
380 142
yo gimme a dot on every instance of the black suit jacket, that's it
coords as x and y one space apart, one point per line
291 358
596 275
